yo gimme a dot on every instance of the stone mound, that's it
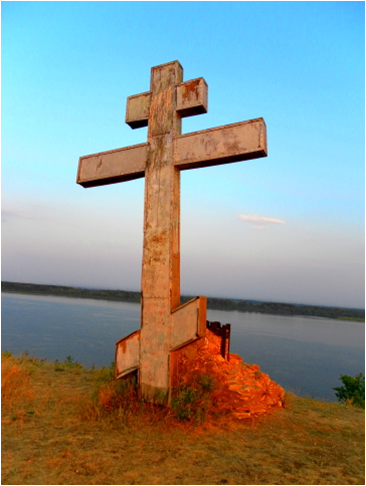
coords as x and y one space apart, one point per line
240 388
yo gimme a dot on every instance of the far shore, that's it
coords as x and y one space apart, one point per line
216 303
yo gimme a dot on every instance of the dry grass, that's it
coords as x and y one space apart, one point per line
53 432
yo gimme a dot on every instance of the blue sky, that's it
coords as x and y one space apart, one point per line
67 69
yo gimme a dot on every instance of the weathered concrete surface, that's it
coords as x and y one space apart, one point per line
188 322
137 110
161 234
221 145
192 97
119 165
127 358
165 325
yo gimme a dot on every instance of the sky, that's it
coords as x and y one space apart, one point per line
285 228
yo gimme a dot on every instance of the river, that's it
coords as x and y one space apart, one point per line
303 354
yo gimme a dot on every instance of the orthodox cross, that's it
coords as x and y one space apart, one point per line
165 324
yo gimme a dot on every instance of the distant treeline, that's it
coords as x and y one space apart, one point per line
286 309
212 302
62 291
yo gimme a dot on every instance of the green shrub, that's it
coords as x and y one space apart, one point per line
353 390
68 364
192 402
206 382
105 375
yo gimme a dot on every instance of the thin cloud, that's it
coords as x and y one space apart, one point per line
260 222
9 214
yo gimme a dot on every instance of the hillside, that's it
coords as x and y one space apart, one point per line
55 432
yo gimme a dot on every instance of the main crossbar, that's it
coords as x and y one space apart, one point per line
120 165
221 145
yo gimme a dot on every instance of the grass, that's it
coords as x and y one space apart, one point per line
62 424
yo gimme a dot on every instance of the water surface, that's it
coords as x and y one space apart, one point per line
303 354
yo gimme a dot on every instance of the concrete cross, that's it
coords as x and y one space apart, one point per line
165 324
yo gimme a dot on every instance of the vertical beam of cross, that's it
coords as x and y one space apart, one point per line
160 264
165 325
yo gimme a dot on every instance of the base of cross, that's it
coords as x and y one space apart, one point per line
239 388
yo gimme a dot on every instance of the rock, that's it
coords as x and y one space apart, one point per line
239 388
